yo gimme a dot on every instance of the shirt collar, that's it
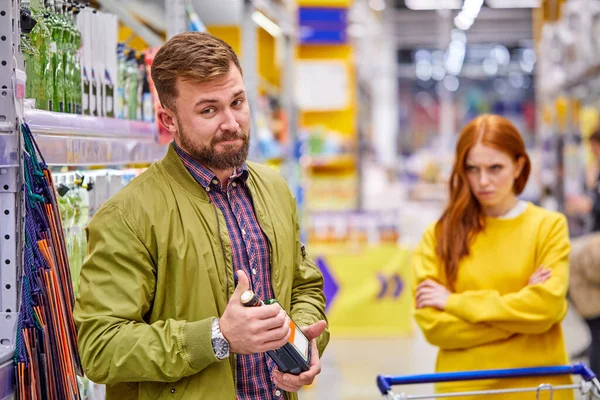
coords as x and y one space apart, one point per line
204 175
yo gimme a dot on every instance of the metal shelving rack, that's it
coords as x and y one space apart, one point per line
10 184
64 140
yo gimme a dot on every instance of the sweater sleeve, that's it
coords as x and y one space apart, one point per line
532 310
441 328
117 288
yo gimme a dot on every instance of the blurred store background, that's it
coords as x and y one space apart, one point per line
357 103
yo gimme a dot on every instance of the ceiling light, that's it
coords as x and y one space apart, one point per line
433 4
451 83
377 5
513 3
264 22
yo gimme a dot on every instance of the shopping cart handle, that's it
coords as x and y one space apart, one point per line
386 382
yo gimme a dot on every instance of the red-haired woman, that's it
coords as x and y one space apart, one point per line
491 275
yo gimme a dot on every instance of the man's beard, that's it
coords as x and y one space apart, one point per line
231 157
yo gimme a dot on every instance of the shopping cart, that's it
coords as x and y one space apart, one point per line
589 386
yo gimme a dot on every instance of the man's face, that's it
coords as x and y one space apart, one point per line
213 120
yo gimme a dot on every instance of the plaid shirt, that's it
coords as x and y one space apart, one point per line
250 253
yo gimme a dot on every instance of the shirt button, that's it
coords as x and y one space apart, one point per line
278 393
233 184
243 231
216 182
253 271
207 189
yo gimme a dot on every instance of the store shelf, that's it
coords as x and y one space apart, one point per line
76 140
343 162
574 81
7 373
278 13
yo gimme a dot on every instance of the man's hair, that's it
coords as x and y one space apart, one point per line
192 56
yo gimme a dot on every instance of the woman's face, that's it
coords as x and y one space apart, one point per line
491 174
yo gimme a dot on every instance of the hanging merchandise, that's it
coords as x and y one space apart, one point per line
46 357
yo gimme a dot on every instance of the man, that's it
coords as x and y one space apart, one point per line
590 205
159 315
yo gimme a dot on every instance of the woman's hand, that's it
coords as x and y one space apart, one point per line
541 275
432 294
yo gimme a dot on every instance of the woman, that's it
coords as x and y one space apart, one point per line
491 275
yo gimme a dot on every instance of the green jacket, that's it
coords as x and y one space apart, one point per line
159 270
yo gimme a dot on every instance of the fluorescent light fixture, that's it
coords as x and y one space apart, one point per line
377 5
514 3
264 22
467 16
433 4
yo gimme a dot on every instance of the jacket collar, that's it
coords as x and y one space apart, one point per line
178 173
204 176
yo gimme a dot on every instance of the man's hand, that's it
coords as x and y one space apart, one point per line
432 294
293 383
541 275
252 330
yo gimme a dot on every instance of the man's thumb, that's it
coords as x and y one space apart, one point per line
314 331
243 283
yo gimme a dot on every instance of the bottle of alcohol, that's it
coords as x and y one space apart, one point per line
68 36
132 85
121 75
39 39
57 28
77 84
29 54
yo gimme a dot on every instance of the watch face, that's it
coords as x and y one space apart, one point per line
221 347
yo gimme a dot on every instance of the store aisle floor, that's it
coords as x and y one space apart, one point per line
350 366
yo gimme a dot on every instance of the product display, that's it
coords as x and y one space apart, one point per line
46 354
71 69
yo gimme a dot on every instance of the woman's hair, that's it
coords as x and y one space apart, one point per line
463 218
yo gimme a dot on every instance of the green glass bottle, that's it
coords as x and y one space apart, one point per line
69 37
77 84
58 30
132 86
39 38
28 51
47 49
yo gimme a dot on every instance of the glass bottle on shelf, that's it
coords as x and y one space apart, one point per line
40 40
68 35
29 54
121 75
77 84
57 28
131 85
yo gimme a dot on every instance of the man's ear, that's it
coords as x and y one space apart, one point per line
168 120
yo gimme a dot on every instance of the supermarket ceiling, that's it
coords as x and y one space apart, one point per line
507 26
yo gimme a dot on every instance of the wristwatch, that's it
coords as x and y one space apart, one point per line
219 343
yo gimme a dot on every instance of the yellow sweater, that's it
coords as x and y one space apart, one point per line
495 320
